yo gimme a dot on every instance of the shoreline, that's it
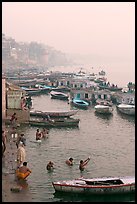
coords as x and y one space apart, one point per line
8 174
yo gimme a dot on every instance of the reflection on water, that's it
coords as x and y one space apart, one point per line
104 116
130 118
67 197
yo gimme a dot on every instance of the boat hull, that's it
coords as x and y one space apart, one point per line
55 123
126 109
53 114
103 109
95 191
59 97
110 88
80 103
80 186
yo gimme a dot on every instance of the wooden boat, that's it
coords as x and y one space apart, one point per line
104 185
100 79
61 89
32 91
103 73
43 88
126 109
65 122
105 109
80 103
53 113
110 87
59 95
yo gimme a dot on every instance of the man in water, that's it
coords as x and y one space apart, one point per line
69 162
83 164
23 171
38 135
50 165
44 133
21 138
24 168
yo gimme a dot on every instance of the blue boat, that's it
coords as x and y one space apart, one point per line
80 103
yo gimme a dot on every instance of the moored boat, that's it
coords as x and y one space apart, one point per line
112 87
127 109
32 91
103 106
65 122
59 95
105 109
104 185
53 114
80 103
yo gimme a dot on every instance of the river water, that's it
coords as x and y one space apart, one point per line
108 140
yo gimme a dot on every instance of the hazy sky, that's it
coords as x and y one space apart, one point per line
102 28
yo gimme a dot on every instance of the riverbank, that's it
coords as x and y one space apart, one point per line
12 191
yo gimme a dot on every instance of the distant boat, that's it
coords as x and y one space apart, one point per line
63 122
105 109
104 85
32 91
59 95
61 89
102 73
100 79
126 109
43 88
53 113
97 186
80 103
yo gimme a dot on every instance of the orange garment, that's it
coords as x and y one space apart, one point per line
22 175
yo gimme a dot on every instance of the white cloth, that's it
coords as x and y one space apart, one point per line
21 155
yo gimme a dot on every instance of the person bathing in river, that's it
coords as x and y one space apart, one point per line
69 162
50 165
38 135
83 164
23 171
21 138
44 133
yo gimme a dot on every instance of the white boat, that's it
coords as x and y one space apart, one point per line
59 95
105 109
104 185
126 109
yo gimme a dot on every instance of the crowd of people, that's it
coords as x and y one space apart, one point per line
69 162
21 168
22 171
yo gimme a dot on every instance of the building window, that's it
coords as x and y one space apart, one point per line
81 85
86 95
